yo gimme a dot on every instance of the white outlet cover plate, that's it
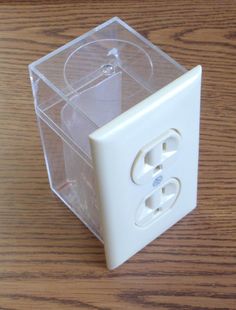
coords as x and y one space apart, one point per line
114 149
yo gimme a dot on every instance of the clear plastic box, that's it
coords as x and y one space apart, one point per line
80 87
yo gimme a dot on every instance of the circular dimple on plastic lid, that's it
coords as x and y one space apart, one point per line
103 57
108 69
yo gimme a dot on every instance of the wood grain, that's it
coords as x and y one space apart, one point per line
48 259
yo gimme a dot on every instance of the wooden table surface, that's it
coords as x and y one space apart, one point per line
48 259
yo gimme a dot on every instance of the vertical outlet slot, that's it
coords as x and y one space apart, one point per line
164 146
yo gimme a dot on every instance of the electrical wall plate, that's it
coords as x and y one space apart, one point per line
115 151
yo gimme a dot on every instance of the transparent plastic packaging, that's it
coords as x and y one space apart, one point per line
82 86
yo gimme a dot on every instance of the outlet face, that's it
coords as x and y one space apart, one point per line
146 163
155 156
157 203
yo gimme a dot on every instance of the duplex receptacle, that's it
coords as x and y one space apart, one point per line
153 160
